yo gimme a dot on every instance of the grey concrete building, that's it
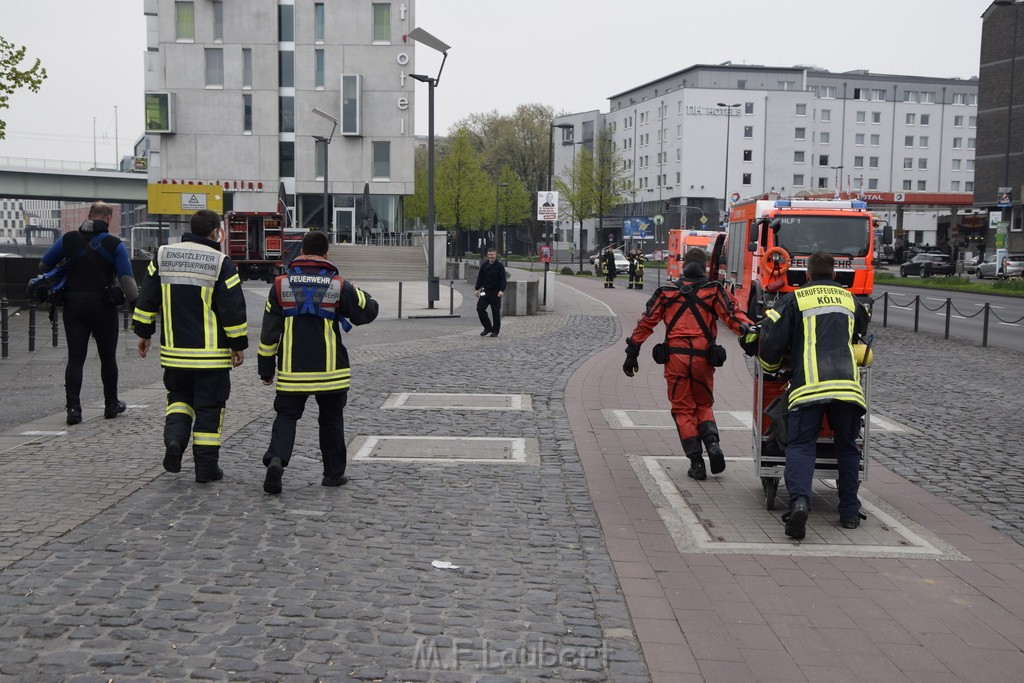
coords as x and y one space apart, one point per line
231 88
1001 123
693 140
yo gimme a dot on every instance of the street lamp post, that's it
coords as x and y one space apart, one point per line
328 218
421 36
838 169
728 125
551 168
499 242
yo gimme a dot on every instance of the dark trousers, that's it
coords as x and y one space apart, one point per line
803 426
84 318
489 298
195 406
289 407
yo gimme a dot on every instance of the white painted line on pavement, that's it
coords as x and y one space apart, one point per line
610 311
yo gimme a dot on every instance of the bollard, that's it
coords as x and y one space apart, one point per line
885 309
917 310
31 325
399 300
949 306
4 329
984 328
451 297
53 326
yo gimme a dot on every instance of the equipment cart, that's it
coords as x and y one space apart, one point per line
770 458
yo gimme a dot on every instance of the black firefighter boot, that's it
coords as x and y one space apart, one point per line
709 435
692 449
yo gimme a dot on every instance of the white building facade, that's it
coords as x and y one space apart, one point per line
231 89
695 139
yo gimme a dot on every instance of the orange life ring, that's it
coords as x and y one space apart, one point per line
775 260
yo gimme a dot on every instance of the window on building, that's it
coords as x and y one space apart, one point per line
954 185
214 67
184 21
826 115
972 121
908 162
746 178
319 158
911 96
858 183
970 164
748 155
286 69
741 84
872 162
382 22
822 182
927 97
861 94
862 117
748 131
798 157
922 185
908 185
318 22
958 121
286 23
246 67
971 142
958 143
969 186
748 107
911 119
287 113
825 137
351 120
318 77
908 141
822 160
926 119
956 164
858 139
972 99
800 134
876 117
875 140
959 98
922 164
801 109
787 85
382 159
218 21
858 162
827 92
286 159
922 142
878 96
798 180
247 113
872 183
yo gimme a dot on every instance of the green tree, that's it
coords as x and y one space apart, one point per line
415 205
575 185
610 183
516 202
461 187
12 78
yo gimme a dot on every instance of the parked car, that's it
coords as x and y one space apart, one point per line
927 264
971 265
1013 265
621 263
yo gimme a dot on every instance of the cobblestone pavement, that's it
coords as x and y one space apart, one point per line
111 569
119 571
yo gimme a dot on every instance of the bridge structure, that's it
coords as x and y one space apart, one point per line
22 178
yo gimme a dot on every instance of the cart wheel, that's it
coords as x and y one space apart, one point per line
771 487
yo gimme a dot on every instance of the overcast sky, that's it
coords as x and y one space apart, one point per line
569 54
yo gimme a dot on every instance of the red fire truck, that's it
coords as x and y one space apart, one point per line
258 243
679 241
764 252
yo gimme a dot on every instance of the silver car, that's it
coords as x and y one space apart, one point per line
1013 264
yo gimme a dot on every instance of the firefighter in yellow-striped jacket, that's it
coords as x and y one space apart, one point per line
196 291
306 310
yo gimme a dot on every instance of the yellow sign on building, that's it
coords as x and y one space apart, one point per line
184 200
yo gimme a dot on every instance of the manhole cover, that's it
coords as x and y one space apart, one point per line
437 449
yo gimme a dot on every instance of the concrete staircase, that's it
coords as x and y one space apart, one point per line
361 263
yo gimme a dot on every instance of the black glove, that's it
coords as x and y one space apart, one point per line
631 365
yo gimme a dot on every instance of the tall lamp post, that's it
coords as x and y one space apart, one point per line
551 169
328 218
725 191
420 36
500 243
